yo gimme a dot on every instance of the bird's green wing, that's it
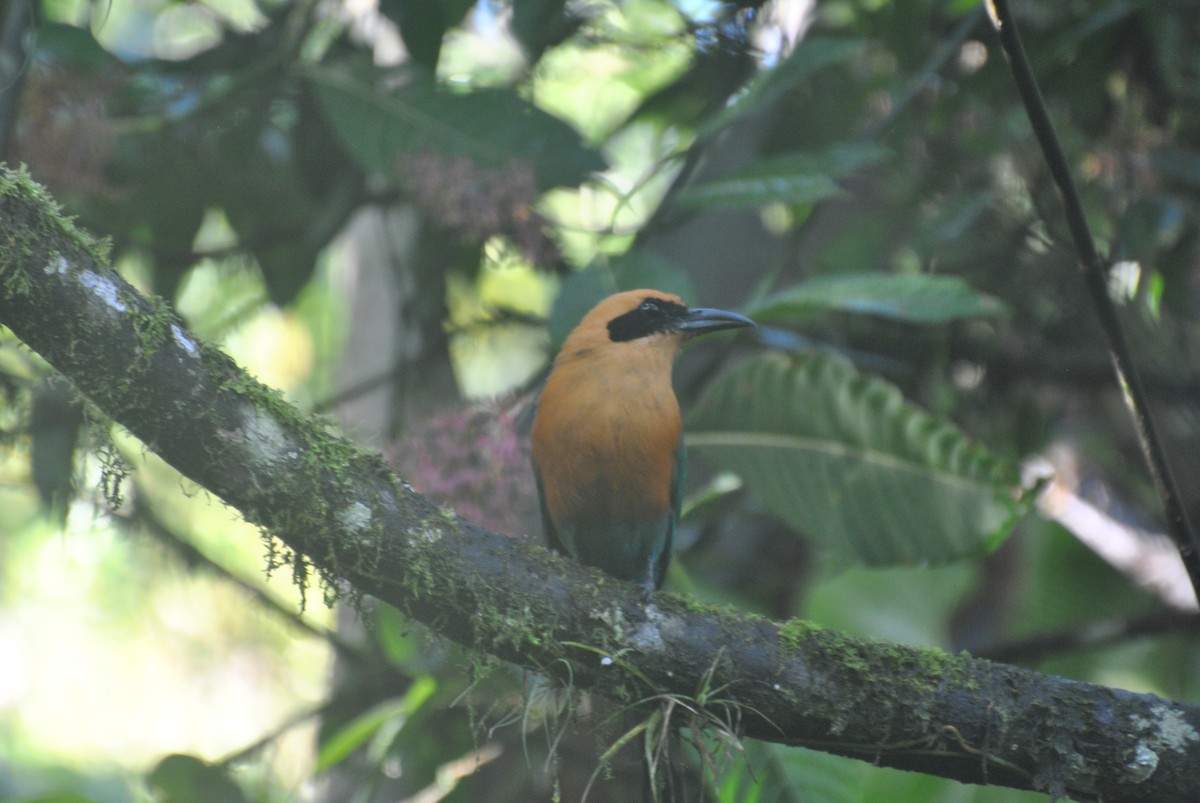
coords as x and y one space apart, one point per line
552 538
678 481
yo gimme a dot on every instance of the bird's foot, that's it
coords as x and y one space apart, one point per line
645 595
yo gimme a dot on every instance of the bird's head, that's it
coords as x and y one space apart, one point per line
651 317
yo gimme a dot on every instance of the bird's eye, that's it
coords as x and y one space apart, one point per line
649 305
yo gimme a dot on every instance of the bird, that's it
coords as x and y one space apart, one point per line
607 446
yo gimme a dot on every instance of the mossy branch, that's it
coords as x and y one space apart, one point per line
344 513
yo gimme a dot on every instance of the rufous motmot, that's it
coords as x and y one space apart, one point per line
608 453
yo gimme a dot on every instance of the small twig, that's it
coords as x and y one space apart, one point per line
1090 636
248 751
936 62
361 388
1094 276
14 64
499 316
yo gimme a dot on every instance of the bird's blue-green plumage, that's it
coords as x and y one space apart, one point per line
635 550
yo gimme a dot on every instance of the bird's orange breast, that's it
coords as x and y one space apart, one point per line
606 436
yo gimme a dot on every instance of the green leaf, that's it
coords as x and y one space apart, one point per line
814 54
583 289
72 45
846 461
540 24
920 601
775 773
1177 163
916 298
364 727
836 161
186 779
741 191
423 25
492 127
796 178
580 291
640 268
398 638
55 422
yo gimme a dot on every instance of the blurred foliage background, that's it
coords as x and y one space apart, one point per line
393 211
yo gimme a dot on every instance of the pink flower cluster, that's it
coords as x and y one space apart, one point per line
471 459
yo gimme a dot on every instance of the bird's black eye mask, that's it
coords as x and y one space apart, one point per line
652 316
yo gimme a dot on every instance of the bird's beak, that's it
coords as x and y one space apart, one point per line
701 320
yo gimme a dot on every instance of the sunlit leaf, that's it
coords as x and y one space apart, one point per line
846 461
916 298
494 127
363 728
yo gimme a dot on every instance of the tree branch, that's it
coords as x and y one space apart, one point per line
1092 635
343 510
1095 277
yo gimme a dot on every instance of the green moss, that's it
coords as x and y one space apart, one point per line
323 467
153 330
300 567
17 283
530 626
694 605
913 674
793 633
18 192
